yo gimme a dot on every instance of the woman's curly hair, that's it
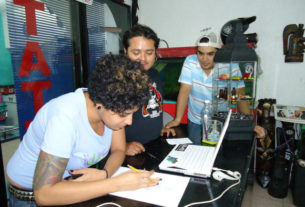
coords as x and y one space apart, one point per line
118 83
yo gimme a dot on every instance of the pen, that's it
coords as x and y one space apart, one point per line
138 171
152 156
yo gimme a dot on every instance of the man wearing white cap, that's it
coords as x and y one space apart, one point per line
196 86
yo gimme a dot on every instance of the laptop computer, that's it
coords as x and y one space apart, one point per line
194 160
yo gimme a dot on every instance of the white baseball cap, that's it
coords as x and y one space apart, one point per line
213 40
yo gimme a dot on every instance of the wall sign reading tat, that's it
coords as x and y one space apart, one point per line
33 51
40 35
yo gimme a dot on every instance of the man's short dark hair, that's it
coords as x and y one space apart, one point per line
204 39
118 83
139 30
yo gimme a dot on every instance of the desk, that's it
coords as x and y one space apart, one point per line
233 155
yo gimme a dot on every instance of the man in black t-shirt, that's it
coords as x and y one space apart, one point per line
140 44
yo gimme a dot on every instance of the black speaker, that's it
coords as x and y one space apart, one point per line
283 160
278 187
298 183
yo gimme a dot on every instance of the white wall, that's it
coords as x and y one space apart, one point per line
179 22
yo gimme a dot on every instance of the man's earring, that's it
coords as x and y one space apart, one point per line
99 107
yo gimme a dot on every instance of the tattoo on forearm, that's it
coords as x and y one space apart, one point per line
49 169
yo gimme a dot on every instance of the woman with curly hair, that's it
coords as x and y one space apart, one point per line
76 130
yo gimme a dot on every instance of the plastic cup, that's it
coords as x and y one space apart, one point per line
211 132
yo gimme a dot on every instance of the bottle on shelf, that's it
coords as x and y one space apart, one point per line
234 96
220 93
225 94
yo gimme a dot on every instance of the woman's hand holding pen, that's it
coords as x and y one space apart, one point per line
133 180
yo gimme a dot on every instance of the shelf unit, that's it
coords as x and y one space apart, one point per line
234 83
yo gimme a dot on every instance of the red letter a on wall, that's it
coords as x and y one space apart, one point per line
27 63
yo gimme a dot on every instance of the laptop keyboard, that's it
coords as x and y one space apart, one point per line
196 159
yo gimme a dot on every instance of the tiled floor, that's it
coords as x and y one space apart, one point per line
255 196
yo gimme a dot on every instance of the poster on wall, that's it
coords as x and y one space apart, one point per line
293 114
41 51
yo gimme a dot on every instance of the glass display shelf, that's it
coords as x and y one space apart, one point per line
8 133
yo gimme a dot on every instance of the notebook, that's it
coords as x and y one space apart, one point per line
194 160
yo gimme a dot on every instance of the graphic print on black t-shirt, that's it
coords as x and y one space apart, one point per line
148 120
154 106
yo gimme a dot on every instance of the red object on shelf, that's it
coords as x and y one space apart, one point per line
3 118
175 52
7 90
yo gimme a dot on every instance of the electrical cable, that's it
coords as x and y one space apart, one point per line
286 143
200 202
209 201
109 203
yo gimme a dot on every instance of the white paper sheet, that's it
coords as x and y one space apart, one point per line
168 193
179 141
